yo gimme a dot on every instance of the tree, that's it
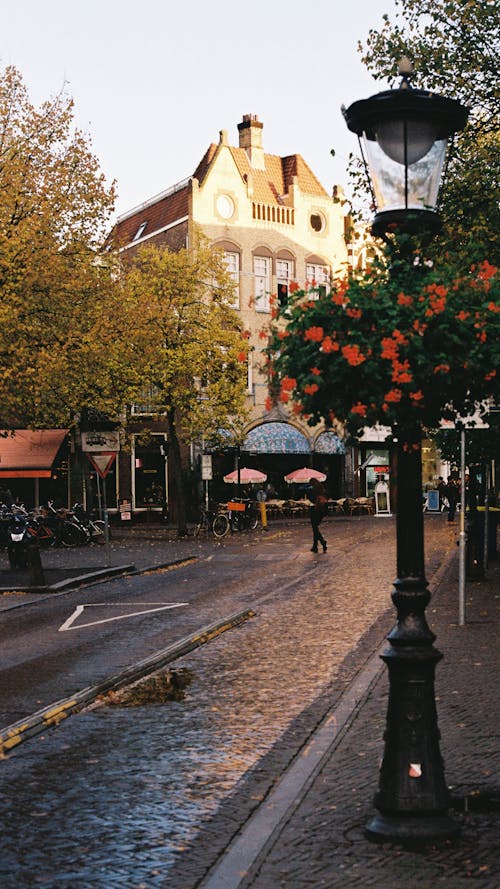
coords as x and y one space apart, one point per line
454 47
59 330
405 349
186 346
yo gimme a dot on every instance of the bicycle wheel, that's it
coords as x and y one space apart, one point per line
220 525
72 535
98 531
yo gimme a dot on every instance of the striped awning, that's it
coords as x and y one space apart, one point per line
276 438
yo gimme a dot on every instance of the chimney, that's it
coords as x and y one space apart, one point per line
250 130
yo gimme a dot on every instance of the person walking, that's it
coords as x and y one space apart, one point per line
317 513
452 495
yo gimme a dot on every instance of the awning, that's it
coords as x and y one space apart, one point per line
329 443
276 438
29 453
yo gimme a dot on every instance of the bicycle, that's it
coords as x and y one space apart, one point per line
212 520
243 515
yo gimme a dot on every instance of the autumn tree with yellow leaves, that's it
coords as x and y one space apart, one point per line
59 331
186 347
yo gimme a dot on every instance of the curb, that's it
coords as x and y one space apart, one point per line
13 735
101 574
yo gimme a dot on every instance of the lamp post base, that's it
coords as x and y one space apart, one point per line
412 828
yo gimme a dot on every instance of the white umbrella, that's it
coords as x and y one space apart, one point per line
247 477
304 475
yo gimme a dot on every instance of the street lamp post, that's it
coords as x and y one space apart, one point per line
403 135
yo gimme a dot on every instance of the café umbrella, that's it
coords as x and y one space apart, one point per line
246 477
304 475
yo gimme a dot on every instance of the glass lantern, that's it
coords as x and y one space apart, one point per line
403 135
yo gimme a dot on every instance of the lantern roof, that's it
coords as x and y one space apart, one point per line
447 115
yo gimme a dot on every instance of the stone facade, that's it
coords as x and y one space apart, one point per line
273 220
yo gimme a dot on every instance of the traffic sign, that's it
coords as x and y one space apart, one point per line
103 462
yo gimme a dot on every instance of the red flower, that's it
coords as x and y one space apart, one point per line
288 383
311 388
328 345
404 300
389 348
462 315
268 403
242 357
493 307
417 396
491 374
442 368
354 313
394 395
282 334
359 408
293 287
284 397
315 334
352 355
296 408
316 371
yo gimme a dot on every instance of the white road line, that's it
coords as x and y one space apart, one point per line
68 624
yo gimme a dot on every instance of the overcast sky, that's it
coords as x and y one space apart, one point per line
155 80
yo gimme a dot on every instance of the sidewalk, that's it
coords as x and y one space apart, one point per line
309 832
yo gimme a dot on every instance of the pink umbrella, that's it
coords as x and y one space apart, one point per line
304 475
247 476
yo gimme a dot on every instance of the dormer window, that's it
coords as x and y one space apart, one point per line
139 231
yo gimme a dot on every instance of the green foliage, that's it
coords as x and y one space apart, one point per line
410 347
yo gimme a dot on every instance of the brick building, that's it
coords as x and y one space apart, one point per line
276 224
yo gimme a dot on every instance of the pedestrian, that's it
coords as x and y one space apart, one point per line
452 496
317 513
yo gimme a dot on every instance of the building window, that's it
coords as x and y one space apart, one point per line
140 231
317 222
232 261
148 403
262 278
318 276
284 274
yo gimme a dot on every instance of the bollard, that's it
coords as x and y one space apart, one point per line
263 514
37 577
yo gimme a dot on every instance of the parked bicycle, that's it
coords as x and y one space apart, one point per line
243 515
212 520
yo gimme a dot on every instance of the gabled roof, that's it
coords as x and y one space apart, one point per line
270 185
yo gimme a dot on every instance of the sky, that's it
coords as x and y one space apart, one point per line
154 81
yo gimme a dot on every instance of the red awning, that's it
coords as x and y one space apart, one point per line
29 453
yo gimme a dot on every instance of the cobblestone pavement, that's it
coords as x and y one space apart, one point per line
152 796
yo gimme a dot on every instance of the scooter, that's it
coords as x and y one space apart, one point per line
20 537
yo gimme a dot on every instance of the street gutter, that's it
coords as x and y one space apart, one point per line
13 735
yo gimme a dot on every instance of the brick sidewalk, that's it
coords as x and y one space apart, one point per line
322 843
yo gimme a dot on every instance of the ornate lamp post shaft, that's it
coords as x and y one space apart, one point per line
412 798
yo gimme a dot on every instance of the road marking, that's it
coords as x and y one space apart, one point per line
68 624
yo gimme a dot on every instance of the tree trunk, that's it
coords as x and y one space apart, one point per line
176 464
